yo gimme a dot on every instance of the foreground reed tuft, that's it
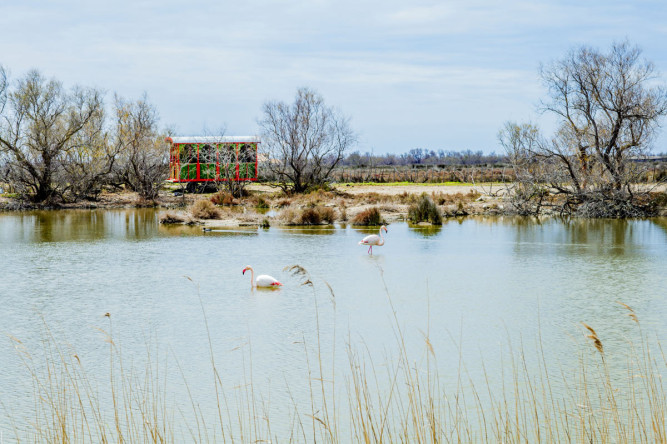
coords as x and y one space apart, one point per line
405 398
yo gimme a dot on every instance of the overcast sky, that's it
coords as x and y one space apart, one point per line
421 74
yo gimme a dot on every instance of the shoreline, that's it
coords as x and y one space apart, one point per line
267 206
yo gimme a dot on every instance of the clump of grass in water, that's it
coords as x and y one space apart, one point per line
172 218
310 216
204 209
327 214
369 217
424 211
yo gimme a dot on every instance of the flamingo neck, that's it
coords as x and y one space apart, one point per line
252 278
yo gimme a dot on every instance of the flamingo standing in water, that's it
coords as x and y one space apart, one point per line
263 280
374 239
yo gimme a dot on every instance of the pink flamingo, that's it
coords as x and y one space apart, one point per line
374 239
263 280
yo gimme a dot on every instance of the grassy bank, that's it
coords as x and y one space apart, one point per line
403 399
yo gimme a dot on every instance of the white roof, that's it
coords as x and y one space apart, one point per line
213 139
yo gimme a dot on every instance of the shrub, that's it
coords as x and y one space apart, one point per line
223 198
327 214
370 216
406 198
171 218
310 216
424 211
261 203
204 209
265 223
659 199
285 202
289 216
441 198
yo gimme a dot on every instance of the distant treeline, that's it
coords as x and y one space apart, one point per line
419 165
421 156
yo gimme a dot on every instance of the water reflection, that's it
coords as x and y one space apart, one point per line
368 230
660 222
426 230
197 230
314 230
489 278
78 225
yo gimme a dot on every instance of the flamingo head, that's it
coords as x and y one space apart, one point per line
246 269
384 228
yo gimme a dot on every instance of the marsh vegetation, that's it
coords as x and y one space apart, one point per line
403 398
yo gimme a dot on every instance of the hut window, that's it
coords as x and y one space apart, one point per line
188 153
206 154
228 153
247 153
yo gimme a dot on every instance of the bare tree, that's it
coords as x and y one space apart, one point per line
89 164
304 141
142 159
3 88
609 110
40 122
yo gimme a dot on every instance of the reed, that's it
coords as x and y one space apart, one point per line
402 399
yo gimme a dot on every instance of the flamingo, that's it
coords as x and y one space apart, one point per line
263 280
374 239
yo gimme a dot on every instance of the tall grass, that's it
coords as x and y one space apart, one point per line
404 399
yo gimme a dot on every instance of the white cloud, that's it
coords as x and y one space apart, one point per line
389 64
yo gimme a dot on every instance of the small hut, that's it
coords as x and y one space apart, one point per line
202 159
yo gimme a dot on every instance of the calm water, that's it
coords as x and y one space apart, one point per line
478 284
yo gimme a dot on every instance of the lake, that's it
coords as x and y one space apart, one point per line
470 291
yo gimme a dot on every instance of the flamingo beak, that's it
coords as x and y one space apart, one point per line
244 270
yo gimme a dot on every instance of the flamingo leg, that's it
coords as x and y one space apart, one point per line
370 250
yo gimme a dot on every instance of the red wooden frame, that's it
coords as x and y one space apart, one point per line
175 161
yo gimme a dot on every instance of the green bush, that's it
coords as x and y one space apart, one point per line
424 211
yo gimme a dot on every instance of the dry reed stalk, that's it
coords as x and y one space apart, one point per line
408 401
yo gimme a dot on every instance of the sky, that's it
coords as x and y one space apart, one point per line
420 74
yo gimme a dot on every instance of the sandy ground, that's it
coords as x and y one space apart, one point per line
398 189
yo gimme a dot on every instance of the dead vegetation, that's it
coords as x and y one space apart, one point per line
204 209
329 205
368 217
170 217
308 216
